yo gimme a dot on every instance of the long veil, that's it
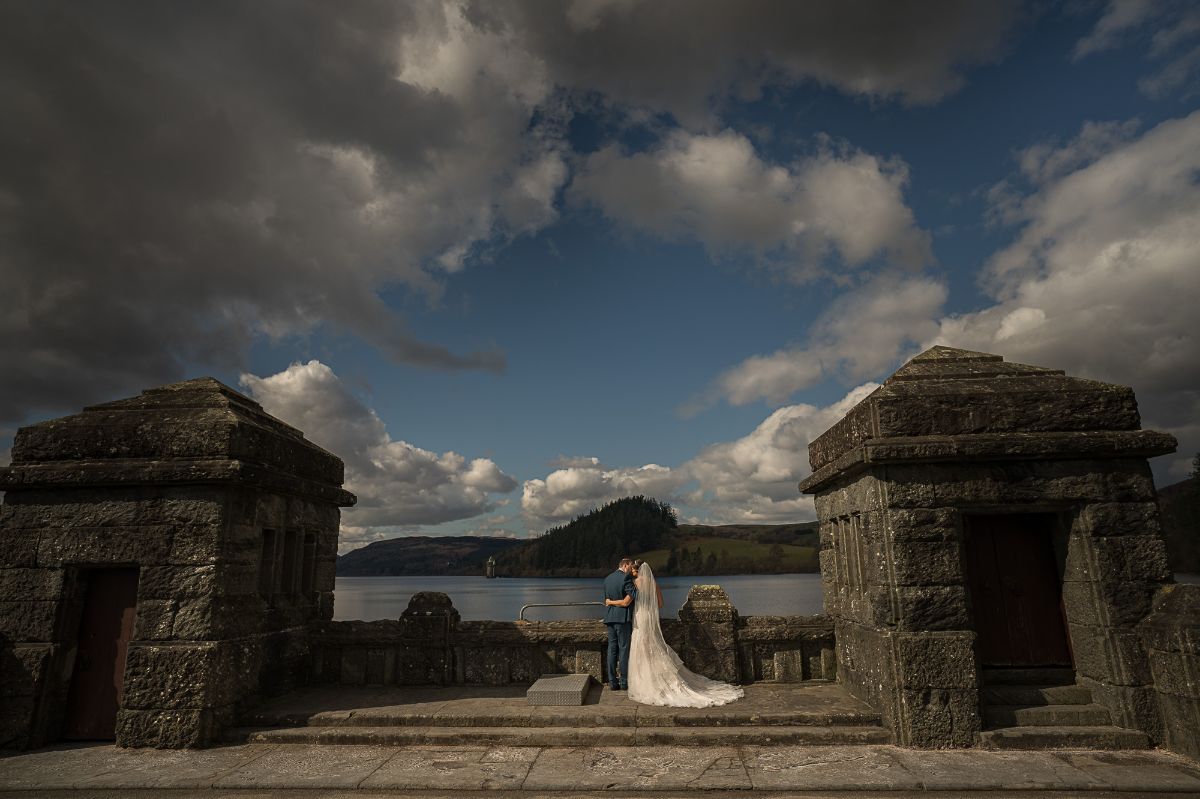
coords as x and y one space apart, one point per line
656 674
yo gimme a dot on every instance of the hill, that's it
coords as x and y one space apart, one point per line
592 544
423 555
697 549
644 528
1180 506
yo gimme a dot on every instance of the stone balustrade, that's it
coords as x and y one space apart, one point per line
430 645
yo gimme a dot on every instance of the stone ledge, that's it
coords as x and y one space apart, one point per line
139 471
992 447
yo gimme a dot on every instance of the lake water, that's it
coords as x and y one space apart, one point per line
372 598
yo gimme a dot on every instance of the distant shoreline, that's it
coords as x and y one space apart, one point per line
569 576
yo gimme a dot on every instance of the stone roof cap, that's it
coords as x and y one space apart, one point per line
948 392
196 427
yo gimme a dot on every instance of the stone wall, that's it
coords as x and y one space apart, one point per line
430 645
1171 634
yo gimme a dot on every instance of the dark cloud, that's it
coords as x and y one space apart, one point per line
177 178
681 55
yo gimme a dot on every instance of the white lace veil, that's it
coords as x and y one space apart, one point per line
645 609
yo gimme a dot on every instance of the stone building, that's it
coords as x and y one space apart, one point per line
988 523
161 560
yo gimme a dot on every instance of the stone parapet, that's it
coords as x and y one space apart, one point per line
440 649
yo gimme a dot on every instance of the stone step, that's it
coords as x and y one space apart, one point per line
1028 676
582 717
571 736
1064 738
995 716
1034 695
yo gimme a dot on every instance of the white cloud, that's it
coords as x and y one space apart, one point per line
1103 281
1174 43
860 334
399 485
1104 278
1045 161
846 206
586 483
752 479
1118 19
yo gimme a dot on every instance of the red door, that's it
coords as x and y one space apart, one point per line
97 681
1015 590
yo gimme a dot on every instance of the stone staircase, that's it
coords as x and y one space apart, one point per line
765 717
1045 709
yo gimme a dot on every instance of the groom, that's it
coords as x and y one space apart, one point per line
619 620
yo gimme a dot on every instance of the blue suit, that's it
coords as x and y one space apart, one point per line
617 586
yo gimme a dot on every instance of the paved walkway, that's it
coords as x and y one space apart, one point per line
797 714
811 702
778 771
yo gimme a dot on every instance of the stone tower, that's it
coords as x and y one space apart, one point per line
160 560
975 515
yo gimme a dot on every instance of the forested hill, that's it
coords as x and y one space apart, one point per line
423 555
1180 505
593 542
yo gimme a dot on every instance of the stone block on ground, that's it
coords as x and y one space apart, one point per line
559 689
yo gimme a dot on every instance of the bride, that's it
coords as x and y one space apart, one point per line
656 674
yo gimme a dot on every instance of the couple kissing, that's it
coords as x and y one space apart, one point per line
639 660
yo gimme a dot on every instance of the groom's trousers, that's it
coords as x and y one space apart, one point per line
618 649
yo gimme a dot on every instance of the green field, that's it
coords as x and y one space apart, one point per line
795 558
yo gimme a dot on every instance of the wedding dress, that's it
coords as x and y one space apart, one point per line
656 674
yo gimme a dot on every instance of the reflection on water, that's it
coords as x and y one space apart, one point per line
371 598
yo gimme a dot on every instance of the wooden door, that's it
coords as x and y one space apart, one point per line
105 629
1015 590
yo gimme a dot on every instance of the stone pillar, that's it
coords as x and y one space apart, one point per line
952 436
706 635
227 521
432 619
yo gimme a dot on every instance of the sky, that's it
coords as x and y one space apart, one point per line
512 260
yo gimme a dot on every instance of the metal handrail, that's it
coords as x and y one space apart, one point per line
521 615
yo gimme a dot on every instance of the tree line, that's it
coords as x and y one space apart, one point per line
593 542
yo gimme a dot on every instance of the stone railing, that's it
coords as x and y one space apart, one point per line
430 645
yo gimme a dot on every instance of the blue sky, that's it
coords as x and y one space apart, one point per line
512 261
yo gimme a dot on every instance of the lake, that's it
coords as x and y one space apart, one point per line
371 598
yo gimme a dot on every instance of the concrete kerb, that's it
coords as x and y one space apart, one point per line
526 771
